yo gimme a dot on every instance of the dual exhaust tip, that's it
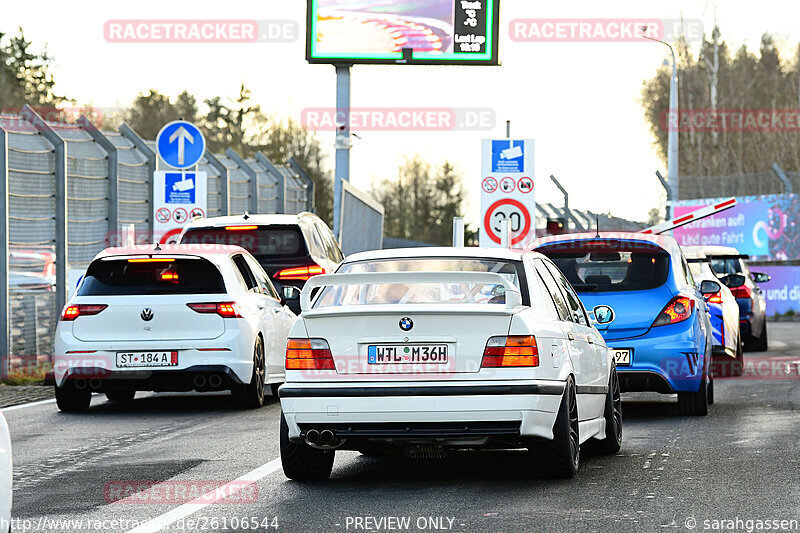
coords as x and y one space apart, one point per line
201 382
91 384
326 437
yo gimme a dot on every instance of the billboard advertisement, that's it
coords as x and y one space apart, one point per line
783 290
432 32
763 227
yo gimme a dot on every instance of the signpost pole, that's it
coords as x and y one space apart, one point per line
342 143
458 232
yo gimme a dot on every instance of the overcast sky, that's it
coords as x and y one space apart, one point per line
579 101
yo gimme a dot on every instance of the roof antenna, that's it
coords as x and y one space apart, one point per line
246 215
597 225
157 248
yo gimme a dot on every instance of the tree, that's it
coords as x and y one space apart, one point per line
25 76
421 203
227 125
151 110
717 79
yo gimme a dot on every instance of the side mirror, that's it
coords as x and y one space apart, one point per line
290 294
708 287
760 277
733 280
603 314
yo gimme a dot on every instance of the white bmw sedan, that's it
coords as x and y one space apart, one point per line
425 350
171 318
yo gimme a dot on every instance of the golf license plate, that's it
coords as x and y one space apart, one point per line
384 354
146 359
622 356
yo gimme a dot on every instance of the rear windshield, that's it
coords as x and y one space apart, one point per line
613 270
727 265
108 277
263 241
511 270
411 293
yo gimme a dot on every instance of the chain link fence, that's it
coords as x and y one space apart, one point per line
68 190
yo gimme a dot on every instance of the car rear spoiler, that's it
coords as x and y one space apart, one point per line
512 294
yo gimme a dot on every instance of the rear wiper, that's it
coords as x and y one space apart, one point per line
586 287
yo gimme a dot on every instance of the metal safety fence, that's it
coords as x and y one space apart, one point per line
66 191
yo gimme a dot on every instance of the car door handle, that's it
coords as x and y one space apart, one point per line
590 340
276 310
260 306
570 336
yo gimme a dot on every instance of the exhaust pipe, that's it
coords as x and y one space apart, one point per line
95 383
327 437
199 381
312 436
214 381
80 384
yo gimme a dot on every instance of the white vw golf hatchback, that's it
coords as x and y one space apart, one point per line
171 318
421 351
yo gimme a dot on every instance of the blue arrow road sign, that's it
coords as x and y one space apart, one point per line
180 144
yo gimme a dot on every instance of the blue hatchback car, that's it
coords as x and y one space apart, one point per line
645 304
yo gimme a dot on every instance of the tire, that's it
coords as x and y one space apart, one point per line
72 400
251 395
560 457
761 344
737 369
694 403
613 417
121 395
710 391
301 462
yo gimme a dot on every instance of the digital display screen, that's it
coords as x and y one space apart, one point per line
462 32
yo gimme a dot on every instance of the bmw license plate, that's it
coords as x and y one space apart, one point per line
146 359
382 354
622 356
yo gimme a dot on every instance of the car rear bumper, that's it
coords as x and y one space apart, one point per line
666 360
433 410
98 359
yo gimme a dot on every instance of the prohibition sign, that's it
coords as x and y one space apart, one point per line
508 208
163 215
489 184
179 215
525 185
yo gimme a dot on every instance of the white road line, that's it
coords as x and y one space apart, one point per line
170 517
31 404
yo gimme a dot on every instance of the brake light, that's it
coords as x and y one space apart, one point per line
223 309
742 292
151 260
169 276
240 228
308 354
677 310
300 273
71 312
519 351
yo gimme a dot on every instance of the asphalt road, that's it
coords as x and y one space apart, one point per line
739 464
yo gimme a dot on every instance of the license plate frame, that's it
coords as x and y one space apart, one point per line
435 353
622 356
147 359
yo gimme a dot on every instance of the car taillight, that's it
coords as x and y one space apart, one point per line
308 354
240 228
223 309
715 298
71 312
300 273
511 351
677 310
742 292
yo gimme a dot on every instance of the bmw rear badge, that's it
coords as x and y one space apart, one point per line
406 323
146 314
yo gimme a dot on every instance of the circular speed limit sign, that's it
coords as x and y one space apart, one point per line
518 216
